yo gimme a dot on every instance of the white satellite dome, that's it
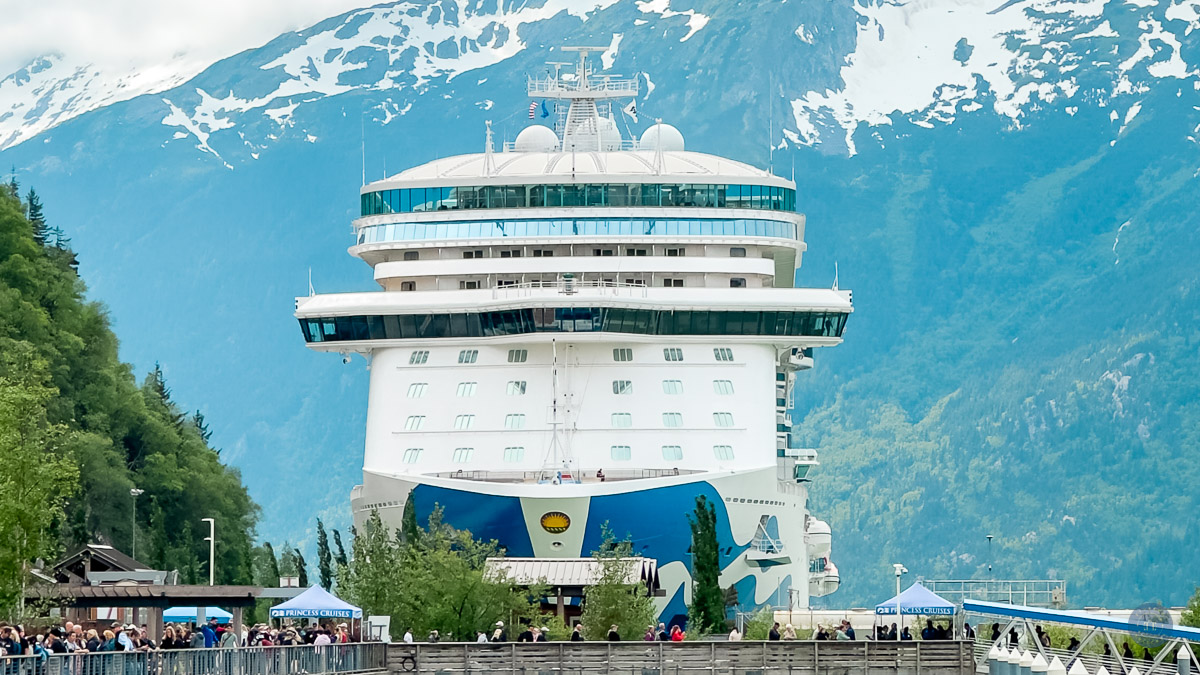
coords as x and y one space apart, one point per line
536 138
661 137
610 136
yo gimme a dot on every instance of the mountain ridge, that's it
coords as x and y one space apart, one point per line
948 231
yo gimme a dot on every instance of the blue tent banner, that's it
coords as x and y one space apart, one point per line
917 599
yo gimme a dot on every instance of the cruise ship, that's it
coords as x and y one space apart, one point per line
581 328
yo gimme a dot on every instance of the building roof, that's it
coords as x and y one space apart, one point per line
96 558
144 595
641 166
570 572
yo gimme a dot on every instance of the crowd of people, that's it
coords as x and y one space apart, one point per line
72 638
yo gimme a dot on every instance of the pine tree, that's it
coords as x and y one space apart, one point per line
707 613
301 568
612 599
13 188
340 556
201 426
409 529
37 219
272 562
324 558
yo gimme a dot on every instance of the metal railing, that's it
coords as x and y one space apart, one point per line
309 659
944 657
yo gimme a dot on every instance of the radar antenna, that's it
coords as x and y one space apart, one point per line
559 466
581 130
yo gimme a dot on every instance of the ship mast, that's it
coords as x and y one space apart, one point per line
581 130
559 466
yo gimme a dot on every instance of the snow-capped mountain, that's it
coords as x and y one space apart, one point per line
1008 186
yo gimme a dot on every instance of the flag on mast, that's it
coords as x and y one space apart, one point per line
631 110
532 108
545 113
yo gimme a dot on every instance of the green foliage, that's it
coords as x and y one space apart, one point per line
707 611
37 219
324 557
340 556
88 411
36 475
433 581
1191 613
759 624
612 599
301 568
408 520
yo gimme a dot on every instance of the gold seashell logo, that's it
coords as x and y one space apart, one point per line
555 522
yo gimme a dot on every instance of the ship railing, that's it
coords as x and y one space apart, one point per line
550 86
570 287
625 144
534 476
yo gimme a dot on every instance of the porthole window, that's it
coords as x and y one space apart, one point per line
723 353
620 453
464 422
466 389
672 419
516 388
723 419
672 387
414 423
462 455
673 354
417 389
672 453
623 354
737 252
622 387
514 454
468 355
622 420
723 453
418 357
411 455
514 421
518 355
723 387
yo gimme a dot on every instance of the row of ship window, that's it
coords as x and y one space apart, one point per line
619 387
618 453
768 197
619 420
468 356
578 227
574 320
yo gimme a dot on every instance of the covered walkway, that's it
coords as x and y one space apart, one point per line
1168 643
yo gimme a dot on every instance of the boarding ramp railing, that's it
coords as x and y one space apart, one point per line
791 657
359 657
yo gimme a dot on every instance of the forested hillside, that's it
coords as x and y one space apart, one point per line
77 431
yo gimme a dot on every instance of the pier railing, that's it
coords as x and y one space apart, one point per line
314 660
686 658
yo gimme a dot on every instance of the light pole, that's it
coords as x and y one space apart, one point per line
901 570
212 545
135 493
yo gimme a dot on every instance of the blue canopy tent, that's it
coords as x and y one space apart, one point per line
917 599
314 603
188 614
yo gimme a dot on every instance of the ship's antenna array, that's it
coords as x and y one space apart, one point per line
559 466
582 129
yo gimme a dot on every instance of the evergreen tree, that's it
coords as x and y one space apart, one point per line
301 568
324 558
1191 613
14 190
340 556
201 426
707 613
612 598
409 529
272 562
33 205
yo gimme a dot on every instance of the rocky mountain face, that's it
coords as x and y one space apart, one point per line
1010 189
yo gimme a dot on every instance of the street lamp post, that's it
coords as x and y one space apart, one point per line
900 571
135 493
212 545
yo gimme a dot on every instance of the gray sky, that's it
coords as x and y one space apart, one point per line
117 34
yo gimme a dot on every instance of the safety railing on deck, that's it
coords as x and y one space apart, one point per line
309 659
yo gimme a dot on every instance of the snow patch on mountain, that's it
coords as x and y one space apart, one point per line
695 21
427 43
931 60
52 89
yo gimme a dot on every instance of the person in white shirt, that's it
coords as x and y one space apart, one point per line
482 637
408 638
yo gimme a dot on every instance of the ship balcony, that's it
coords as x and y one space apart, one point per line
823 577
539 477
766 548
